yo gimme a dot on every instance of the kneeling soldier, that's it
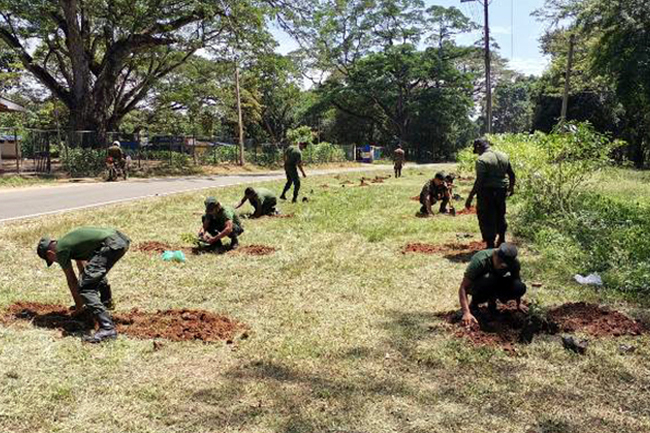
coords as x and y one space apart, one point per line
433 191
491 274
218 222
95 250
261 199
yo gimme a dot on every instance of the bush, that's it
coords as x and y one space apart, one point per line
551 168
323 153
84 162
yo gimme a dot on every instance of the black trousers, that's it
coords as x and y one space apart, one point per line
292 179
491 287
491 212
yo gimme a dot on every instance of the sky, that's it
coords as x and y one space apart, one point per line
510 21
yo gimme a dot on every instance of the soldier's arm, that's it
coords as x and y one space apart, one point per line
223 233
477 184
302 169
468 317
512 178
73 285
241 203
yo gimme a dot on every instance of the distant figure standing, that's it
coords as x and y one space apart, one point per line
495 180
399 156
293 162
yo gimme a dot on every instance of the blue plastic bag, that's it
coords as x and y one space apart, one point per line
176 256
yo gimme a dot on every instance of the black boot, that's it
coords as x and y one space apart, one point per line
106 329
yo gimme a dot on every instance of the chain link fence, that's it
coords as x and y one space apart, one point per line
83 153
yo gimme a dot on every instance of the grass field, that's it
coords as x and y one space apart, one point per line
343 332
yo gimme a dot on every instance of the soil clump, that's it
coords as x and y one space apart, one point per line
155 247
255 250
173 325
509 326
451 248
465 211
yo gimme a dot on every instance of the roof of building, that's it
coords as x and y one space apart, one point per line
8 106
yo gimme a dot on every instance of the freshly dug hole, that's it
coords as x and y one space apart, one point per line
174 325
510 326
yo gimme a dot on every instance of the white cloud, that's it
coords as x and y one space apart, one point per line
501 30
529 66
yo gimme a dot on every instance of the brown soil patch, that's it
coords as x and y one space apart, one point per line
155 247
325 186
509 326
289 215
174 325
594 319
448 248
465 211
255 250
415 198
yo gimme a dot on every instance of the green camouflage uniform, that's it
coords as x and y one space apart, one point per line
492 181
293 158
265 201
101 248
490 284
217 223
435 193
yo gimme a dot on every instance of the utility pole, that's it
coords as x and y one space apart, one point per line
239 114
567 79
488 76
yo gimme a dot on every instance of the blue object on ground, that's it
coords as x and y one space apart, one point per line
176 256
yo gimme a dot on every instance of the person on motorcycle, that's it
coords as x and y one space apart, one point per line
117 158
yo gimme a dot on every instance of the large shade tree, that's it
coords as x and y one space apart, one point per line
101 58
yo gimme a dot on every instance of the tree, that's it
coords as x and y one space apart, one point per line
101 59
513 105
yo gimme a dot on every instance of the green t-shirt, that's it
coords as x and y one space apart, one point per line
492 169
79 244
481 264
294 157
264 196
218 222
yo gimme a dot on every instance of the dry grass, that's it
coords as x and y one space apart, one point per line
344 337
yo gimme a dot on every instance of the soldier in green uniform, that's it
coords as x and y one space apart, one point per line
433 191
495 180
117 155
219 222
261 199
95 250
293 162
491 274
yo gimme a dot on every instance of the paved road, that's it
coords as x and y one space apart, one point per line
20 203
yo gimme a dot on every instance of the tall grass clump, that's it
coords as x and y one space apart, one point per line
576 229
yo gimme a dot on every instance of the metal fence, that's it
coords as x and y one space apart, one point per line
44 151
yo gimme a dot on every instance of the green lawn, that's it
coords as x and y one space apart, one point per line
344 336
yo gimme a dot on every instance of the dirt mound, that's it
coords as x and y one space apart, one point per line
415 198
510 326
593 319
155 247
255 250
465 211
448 248
174 325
